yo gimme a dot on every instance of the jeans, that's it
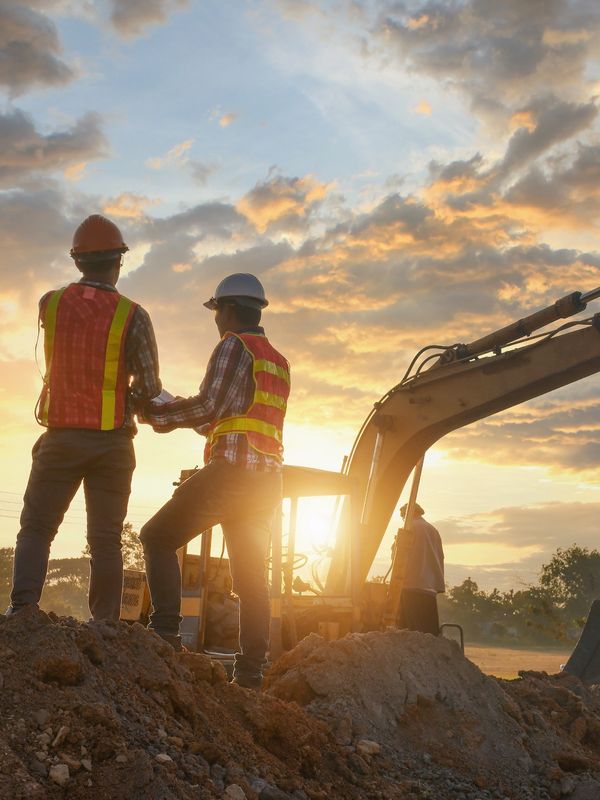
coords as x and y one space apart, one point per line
62 459
419 611
243 502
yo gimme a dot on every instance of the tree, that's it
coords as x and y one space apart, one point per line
131 547
66 587
572 581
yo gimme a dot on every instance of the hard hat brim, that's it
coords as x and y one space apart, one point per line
247 302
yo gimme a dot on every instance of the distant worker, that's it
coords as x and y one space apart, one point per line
423 576
240 408
101 360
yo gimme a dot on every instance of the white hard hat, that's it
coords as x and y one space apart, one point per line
242 287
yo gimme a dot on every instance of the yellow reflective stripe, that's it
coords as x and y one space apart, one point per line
246 425
50 327
49 335
46 405
262 365
111 363
268 399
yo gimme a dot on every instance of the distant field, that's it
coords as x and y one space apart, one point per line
504 662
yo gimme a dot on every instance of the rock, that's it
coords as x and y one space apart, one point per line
41 716
367 747
175 741
60 736
358 764
38 768
235 792
567 785
41 755
43 739
121 759
59 773
86 763
72 763
571 762
163 758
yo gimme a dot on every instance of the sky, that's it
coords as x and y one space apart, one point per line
396 173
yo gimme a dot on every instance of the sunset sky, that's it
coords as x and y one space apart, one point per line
396 173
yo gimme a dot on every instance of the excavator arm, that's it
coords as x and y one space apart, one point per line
463 387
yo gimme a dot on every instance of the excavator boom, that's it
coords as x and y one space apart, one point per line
416 414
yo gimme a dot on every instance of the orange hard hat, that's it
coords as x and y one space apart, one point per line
97 238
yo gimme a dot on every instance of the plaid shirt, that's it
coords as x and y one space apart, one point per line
141 359
226 391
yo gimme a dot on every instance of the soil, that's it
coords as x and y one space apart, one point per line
110 712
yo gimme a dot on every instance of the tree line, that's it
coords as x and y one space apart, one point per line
548 613
66 588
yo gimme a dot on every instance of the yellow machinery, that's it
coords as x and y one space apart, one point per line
445 388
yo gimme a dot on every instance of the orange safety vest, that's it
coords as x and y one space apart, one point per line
262 424
85 384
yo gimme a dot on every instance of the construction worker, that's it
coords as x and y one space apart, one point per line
240 407
101 360
424 574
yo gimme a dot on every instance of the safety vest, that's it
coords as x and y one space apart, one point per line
85 384
262 423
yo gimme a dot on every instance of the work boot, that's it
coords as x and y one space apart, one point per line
253 682
12 610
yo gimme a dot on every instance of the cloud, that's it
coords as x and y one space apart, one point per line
25 152
200 171
30 50
555 122
35 236
228 119
498 54
128 206
178 154
283 204
131 17
424 108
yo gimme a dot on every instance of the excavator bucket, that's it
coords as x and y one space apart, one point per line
584 661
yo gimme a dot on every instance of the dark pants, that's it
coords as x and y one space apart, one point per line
62 459
243 502
419 611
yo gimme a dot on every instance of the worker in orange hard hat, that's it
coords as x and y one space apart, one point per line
240 408
101 360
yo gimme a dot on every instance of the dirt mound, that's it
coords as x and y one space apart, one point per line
438 720
111 712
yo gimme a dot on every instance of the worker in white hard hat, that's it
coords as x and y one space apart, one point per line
101 359
240 408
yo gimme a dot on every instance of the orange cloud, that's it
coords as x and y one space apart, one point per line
128 205
228 119
423 108
284 201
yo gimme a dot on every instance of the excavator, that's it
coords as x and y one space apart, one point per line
445 388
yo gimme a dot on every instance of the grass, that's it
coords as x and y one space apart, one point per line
505 662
